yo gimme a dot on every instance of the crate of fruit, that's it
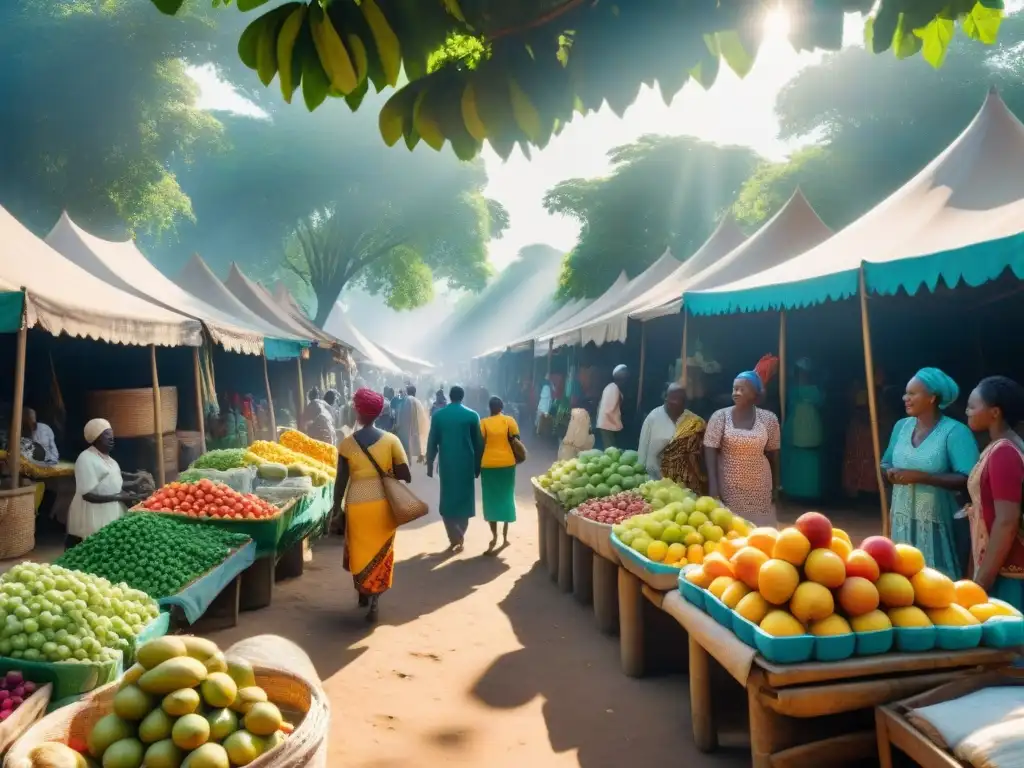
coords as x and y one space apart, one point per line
592 521
22 702
195 598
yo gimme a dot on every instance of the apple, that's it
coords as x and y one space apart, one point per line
860 563
816 528
883 551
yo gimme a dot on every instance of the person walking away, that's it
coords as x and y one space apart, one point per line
412 425
369 525
386 420
995 407
100 497
671 442
457 445
803 436
498 470
440 401
609 412
577 437
318 419
741 451
928 461
544 403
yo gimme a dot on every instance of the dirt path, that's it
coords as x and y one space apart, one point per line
476 661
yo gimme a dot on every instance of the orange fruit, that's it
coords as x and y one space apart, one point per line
763 539
791 546
932 589
747 564
716 565
781 624
894 590
968 594
719 585
695 554
825 567
811 602
735 592
841 534
909 560
857 596
698 577
841 547
830 626
753 607
872 621
777 580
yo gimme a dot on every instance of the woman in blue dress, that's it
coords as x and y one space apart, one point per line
928 461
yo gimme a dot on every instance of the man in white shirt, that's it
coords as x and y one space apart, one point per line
44 446
659 429
609 411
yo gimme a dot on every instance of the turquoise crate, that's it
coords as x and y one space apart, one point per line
834 647
958 638
874 643
744 629
71 679
691 592
1003 632
718 610
914 639
784 650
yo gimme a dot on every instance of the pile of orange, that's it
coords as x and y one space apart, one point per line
809 578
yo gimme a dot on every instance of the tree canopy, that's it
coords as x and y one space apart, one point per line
516 72
664 192
871 140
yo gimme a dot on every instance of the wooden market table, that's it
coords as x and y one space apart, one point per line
554 541
595 567
840 696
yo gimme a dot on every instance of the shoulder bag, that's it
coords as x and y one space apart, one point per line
405 505
518 449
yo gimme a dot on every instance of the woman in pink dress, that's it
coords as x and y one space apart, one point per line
741 449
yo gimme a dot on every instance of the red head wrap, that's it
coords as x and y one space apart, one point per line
368 405
766 368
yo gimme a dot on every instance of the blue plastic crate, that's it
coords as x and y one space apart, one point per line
718 610
1003 632
874 643
744 629
834 647
958 638
784 650
914 639
691 592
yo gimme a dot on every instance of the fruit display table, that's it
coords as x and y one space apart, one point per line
595 567
555 543
840 696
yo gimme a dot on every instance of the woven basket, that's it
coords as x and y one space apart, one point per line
130 411
17 521
71 724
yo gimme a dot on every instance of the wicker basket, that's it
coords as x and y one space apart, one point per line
71 724
130 411
17 521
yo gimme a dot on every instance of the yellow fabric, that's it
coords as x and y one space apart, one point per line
496 431
370 526
689 424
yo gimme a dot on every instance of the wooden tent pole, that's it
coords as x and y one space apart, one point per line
782 365
270 399
551 349
157 419
302 395
643 359
869 370
683 375
200 414
14 444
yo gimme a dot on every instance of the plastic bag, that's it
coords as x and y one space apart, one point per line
278 495
240 479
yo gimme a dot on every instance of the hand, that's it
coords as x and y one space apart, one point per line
907 476
430 470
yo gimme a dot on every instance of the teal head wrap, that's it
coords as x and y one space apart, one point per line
939 384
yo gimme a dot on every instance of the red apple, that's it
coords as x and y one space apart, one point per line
860 563
816 528
883 551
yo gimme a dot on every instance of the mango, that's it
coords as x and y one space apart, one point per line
132 675
183 702
909 616
198 647
247 697
132 703
53 754
190 732
223 722
216 663
263 719
218 689
242 747
163 754
155 727
954 615
172 675
209 755
156 652
275 739
106 731
126 753
241 672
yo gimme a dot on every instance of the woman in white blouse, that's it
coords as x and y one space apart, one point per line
100 497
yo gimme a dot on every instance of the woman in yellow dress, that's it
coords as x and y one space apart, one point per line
498 470
363 457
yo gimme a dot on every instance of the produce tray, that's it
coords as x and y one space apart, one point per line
661 577
33 708
196 598
310 515
597 536
70 679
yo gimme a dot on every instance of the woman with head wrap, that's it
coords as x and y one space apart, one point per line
369 525
996 406
741 450
99 487
928 460
498 470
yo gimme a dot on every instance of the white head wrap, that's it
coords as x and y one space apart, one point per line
95 428
619 369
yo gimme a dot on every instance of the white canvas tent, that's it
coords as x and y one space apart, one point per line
338 324
568 334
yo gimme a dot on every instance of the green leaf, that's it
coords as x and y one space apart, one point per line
315 82
905 42
735 52
248 43
982 23
249 5
935 38
170 7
